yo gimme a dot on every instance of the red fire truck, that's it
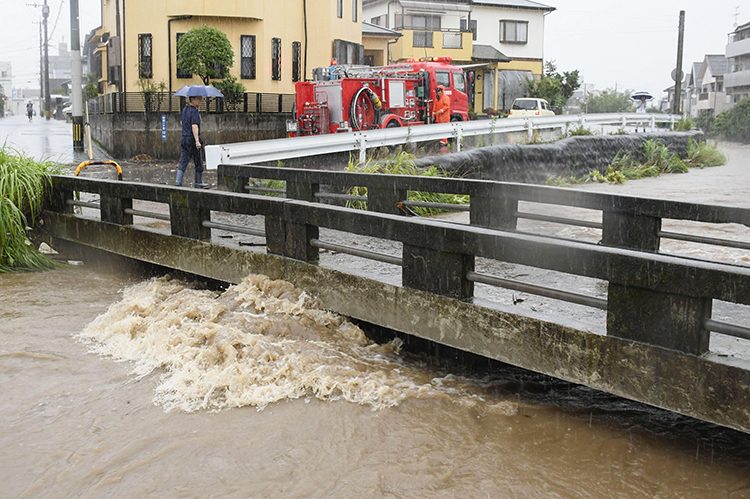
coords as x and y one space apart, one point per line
352 98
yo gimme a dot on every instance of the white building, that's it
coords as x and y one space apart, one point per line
737 78
712 97
6 85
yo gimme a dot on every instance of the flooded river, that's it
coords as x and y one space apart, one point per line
116 385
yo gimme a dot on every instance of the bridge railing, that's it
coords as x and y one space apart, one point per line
655 299
264 151
626 221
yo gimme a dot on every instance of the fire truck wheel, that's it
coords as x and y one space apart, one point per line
456 117
392 124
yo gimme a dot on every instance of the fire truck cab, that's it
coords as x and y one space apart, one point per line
346 98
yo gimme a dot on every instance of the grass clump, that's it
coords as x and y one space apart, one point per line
658 159
701 154
403 164
23 183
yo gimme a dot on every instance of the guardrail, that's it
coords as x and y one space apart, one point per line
245 153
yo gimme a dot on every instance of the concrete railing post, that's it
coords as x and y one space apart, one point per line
291 240
437 272
492 209
655 318
301 190
59 198
231 183
385 200
625 230
187 216
113 209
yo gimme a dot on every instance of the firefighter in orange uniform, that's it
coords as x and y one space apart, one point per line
442 109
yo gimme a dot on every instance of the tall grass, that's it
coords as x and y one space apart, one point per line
403 164
23 182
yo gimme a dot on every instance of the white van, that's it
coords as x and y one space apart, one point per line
530 106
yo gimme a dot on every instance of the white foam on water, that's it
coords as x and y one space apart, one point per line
258 342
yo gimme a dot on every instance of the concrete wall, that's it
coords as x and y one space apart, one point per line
125 135
574 156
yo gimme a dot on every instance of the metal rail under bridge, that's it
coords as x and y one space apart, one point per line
262 151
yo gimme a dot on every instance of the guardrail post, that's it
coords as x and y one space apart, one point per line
493 209
652 123
291 240
459 131
362 144
667 320
624 121
437 272
624 230
529 130
187 216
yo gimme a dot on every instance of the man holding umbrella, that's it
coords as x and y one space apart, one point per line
190 141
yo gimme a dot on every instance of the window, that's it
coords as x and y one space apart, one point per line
145 67
180 72
276 59
459 83
340 8
443 78
514 31
296 60
472 28
247 57
354 10
422 39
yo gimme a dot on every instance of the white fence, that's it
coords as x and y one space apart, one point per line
263 151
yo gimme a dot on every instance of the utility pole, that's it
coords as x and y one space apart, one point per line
41 65
76 77
47 102
677 108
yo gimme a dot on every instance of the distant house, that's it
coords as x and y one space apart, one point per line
712 97
376 40
737 78
693 88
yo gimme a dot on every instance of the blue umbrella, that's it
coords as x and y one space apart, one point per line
198 91
637 96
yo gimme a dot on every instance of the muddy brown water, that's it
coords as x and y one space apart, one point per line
118 386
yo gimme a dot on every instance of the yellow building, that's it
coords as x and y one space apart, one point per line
275 43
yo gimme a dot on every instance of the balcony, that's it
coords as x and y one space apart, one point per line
703 96
738 48
418 43
737 79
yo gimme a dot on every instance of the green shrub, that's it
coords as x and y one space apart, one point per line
403 164
23 183
701 154
734 124
684 125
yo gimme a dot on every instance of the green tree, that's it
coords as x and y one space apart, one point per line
734 124
554 87
610 101
205 51
233 91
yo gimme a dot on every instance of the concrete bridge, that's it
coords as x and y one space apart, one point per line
656 346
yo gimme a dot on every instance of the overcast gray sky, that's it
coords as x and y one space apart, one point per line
631 44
